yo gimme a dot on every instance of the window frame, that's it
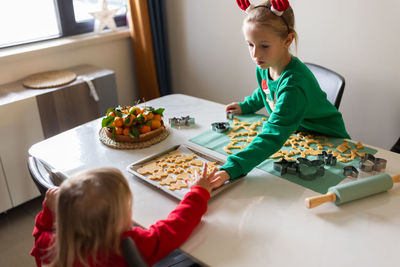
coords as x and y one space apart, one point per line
68 25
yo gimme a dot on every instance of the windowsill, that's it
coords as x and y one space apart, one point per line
56 45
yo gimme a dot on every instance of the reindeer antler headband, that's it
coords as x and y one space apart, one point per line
277 7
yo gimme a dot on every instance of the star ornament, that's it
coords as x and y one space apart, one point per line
104 18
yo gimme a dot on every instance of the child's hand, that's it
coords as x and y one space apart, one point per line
206 180
220 178
50 198
234 107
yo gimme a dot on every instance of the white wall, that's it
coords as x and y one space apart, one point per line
356 38
114 53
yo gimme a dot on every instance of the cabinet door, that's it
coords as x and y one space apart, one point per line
5 201
20 128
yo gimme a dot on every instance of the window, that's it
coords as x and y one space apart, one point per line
47 19
82 8
28 26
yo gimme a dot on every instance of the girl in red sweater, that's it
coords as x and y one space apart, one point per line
92 213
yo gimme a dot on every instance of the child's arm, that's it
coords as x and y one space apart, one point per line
252 103
43 231
286 118
166 235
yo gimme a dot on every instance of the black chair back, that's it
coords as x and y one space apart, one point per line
330 82
38 176
131 253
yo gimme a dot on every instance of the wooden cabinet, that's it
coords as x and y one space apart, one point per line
29 116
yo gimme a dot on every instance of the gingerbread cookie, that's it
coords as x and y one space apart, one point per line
167 181
196 162
179 184
149 169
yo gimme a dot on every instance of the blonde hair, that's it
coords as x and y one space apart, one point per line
92 213
262 15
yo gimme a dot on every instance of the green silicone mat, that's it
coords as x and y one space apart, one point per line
333 174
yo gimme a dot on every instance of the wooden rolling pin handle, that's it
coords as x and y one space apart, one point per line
313 202
396 178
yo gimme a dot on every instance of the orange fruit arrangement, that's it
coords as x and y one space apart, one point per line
132 123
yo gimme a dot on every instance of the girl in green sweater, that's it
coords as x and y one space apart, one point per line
287 89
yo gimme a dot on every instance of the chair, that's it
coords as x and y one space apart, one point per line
39 175
132 255
396 146
330 82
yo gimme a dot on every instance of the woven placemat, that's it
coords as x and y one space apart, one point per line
124 145
49 79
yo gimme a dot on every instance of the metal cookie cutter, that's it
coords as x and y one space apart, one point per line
230 115
350 171
319 164
285 166
293 167
369 163
220 127
328 159
182 121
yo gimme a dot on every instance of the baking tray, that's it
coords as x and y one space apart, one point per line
184 149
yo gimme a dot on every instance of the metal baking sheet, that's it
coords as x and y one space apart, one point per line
184 149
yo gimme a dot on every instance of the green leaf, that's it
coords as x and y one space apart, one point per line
133 112
148 123
159 111
113 133
140 118
107 121
150 109
110 110
135 132
127 119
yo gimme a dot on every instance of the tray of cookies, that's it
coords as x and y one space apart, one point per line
173 170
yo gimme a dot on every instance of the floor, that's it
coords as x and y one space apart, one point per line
16 239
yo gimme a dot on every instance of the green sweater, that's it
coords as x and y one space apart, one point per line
300 104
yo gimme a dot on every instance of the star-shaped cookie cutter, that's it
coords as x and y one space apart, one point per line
369 163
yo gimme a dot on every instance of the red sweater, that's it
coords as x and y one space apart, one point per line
154 243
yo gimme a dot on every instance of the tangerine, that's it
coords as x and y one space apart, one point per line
157 117
149 116
119 130
111 114
118 121
135 110
125 131
129 123
155 124
145 129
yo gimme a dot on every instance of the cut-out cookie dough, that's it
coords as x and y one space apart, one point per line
167 181
179 184
149 169
196 162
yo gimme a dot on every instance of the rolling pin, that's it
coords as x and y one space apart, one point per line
354 190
